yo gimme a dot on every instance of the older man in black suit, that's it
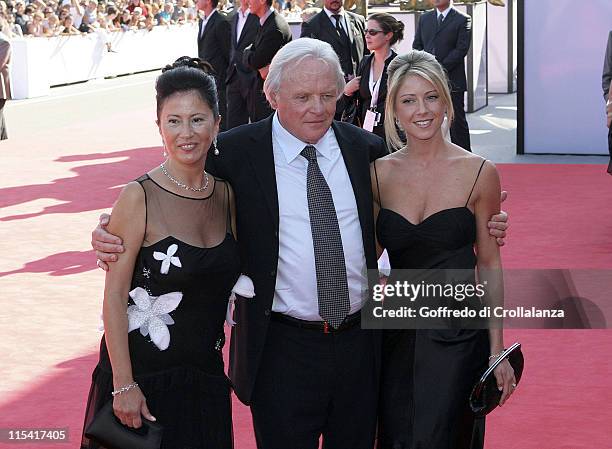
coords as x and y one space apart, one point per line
343 30
245 26
446 33
273 34
214 47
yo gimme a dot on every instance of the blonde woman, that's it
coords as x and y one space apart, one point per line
432 203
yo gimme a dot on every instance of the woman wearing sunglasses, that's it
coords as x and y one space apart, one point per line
368 90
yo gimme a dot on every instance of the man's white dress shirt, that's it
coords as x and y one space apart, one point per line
296 280
242 18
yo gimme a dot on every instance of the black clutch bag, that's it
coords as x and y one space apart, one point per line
485 395
350 113
108 431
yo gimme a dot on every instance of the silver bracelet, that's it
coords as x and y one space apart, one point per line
494 356
125 388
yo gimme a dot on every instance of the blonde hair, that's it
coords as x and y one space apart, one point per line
413 63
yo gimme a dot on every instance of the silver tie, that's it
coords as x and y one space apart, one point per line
332 285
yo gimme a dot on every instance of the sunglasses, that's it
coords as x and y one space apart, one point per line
372 32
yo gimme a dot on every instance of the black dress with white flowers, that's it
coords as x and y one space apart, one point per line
182 280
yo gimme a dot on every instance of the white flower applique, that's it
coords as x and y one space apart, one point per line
168 258
243 287
150 314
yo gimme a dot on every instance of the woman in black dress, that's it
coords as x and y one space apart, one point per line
368 90
166 298
432 203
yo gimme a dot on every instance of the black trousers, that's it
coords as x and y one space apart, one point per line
3 134
312 384
460 131
259 108
237 104
222 104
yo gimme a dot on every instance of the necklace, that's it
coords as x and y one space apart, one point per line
185 186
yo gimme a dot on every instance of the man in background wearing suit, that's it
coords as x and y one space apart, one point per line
343 30
446 33
606 84
244 28
298 356
5 83
214 40
273 34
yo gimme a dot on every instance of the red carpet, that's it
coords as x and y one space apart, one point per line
51 297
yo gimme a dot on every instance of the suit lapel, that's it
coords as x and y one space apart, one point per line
446 21
200 34
382 90
209 25
235 41
326 24
261 156
266 25
359 174
248 24
352 32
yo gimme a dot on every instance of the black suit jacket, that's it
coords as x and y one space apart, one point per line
214 45
450 44
364 97
247 37
321 27
271 37
246 160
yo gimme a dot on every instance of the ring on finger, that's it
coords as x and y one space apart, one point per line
513 385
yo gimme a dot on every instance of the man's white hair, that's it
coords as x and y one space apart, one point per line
291 56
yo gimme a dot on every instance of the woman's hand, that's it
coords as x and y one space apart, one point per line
129 406
506 382
352 86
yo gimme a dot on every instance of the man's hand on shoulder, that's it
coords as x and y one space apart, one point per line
106 245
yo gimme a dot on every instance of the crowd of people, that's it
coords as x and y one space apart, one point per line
41 18
47 18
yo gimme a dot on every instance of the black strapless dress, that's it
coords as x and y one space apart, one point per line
427 375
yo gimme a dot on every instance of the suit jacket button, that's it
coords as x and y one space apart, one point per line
276 234
267 312
273 273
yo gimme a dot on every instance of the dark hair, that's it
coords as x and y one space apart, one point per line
187 74
389 24
269 3
214 3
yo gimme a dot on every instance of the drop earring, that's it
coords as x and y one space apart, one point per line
165 153
216 151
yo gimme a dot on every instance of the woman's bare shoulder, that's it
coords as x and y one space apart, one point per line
132 193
